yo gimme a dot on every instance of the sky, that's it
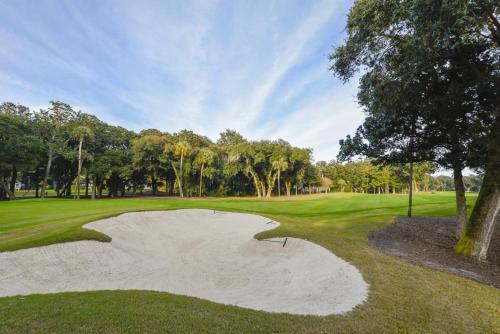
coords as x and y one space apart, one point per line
257 67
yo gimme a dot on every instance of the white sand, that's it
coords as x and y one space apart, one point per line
201 253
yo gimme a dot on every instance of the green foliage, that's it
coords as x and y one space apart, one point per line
430 80
430 83
77 146
115 161
20 148
366 177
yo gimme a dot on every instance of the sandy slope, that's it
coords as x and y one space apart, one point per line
201 253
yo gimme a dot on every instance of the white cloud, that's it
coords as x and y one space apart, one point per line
202 65
287 56
322 122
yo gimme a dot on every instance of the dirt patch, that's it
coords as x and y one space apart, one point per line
429 241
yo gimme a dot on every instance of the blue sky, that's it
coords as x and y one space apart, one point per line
258 67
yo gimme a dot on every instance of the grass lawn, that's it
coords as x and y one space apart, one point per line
32 193
403 298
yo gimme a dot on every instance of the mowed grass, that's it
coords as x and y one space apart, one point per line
403 298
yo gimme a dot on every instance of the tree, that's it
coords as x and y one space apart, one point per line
178 150
242 157
147 153
80 133
341 183
20 149
52 125
233 160
311 177
112 150
473 183
476 238
204 158
434 64
298 159
279 166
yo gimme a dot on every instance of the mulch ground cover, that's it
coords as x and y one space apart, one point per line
429 241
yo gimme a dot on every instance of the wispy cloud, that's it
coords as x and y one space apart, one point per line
296 45
259 67
320 123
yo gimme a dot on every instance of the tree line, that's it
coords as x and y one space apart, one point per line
430 88
64 149
76 154
365 176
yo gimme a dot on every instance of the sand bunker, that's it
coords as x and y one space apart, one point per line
201 253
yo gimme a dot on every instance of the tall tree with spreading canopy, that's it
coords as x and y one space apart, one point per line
52 124
20 149
436 65
147 153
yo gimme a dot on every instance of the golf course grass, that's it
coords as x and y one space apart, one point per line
403 298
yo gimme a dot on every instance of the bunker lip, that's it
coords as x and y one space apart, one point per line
207 254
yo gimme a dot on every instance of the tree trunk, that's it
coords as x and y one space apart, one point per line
79 168
67 188
288 186
201 177
178 179
6 189
279 186
13 180
479 229
153 182
47 172
271 179
410 197
460 201
269 189
3 193
94 184
64 190
476 238
257 184
181 176
87 184
171 184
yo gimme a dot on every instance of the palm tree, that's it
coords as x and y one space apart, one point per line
80 133
341 183
280 165
181 149
205 157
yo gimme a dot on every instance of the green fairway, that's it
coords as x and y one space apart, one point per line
403 298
